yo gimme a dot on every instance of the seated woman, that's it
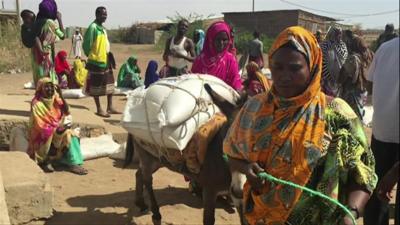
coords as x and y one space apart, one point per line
78 74
151 75
50 141
216 58
256 82
62 68
297 133
129 74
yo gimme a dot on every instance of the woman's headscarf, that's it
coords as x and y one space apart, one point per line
222 65
200 42
131 60
45 117
61 63
151 73
129 68
334 56
254 73
47 10
283 135
80 72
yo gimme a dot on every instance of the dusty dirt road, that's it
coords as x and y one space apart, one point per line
105 197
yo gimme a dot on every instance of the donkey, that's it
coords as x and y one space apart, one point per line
214 177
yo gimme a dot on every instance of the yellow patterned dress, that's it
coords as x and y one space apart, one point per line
307 139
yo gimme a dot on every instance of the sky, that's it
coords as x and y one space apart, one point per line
123 13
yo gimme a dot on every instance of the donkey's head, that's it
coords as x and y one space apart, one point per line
230 110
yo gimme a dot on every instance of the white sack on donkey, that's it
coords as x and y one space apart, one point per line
171 110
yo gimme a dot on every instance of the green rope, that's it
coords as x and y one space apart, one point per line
271 178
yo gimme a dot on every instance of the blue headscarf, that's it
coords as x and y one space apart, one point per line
200 42
151 75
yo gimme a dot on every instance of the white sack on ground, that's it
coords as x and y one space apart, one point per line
73 93
97 147
120 154
29 85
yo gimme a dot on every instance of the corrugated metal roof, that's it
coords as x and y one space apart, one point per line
286 10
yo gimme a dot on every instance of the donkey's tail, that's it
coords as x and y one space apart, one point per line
129 150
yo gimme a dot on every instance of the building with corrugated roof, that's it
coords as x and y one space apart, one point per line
271 23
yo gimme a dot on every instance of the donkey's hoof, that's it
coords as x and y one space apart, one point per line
156 221
142 206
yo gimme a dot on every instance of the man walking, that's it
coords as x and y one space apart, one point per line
256 50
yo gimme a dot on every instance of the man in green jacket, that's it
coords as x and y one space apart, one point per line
100 63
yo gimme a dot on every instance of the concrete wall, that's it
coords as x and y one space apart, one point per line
87 130
145 36
4 218
312 22
28 193
269 23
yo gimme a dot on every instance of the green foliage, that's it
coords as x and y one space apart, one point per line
242 39
13 55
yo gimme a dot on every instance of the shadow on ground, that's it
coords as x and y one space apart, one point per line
15 112
98 205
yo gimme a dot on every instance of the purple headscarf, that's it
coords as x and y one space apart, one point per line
47 10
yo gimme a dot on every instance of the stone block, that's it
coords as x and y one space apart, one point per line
28 193
4 218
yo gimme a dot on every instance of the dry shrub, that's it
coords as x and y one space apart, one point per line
13 55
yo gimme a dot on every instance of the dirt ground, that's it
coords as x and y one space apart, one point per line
106 195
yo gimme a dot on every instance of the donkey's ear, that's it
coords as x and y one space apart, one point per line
226 107
242 99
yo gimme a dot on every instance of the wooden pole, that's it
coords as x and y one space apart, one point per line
17 4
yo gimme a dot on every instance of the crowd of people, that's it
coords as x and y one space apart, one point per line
304 126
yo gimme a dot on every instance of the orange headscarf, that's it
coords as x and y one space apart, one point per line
46 115
253 69
283 135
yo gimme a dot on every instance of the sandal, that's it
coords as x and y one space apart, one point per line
46 167
113 111
103 114
77 170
